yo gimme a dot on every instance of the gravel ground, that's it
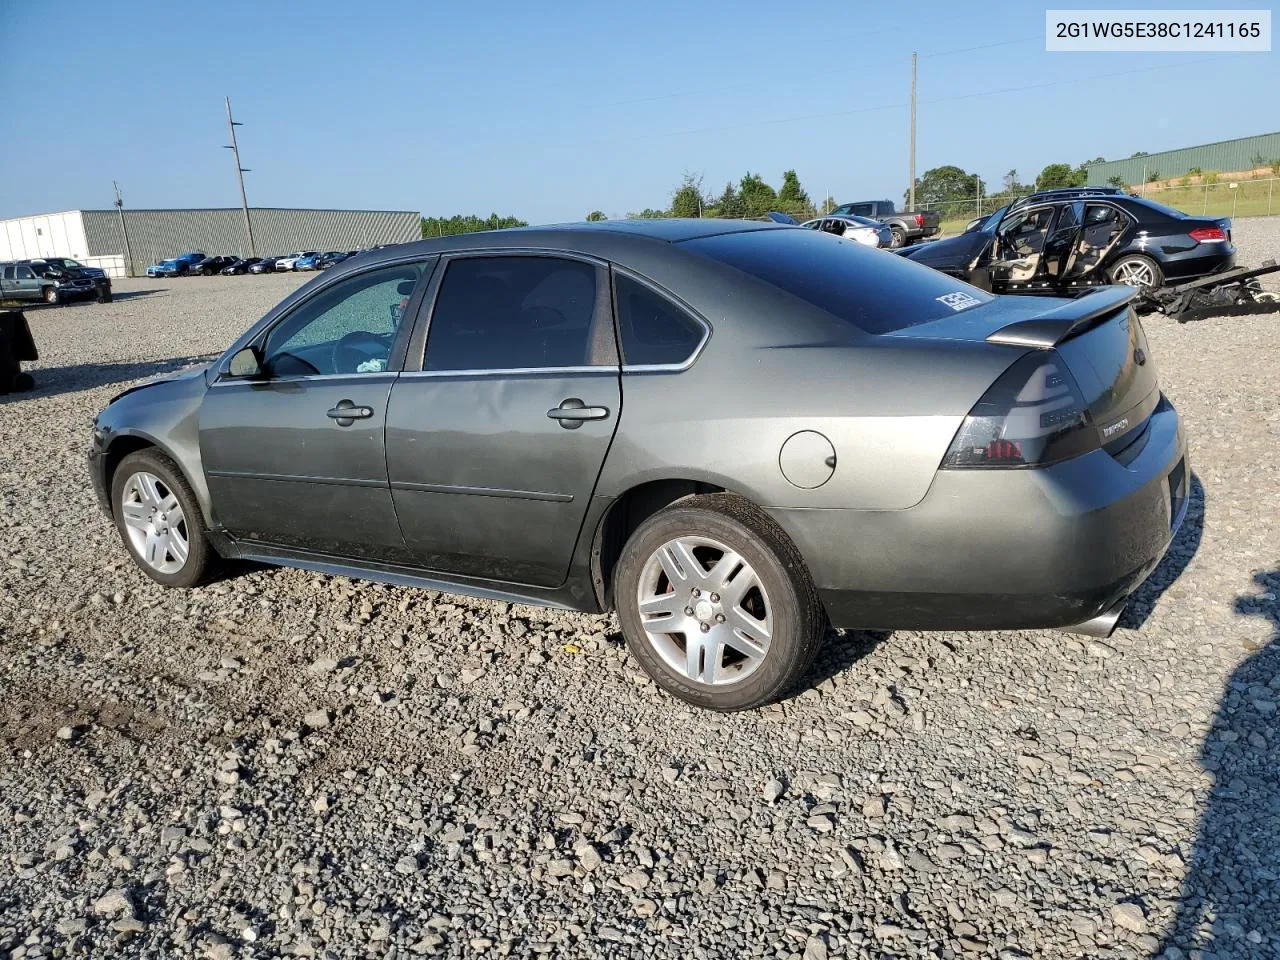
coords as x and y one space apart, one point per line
286 764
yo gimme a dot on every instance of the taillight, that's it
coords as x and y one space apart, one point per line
919 219
1207 234
1032 416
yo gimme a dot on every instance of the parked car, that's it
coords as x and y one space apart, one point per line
38 280
906 226
310 262
290 262
333 258
727 509
16 347
1060 242
265 265
871 233
239 265
76 278
175 266
210 265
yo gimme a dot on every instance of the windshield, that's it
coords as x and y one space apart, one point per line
875 291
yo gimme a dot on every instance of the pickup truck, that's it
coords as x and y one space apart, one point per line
53 280
907 227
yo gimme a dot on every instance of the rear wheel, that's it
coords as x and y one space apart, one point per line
899 238
716 604
159 520
1135 270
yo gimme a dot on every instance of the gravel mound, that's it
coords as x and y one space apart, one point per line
289 764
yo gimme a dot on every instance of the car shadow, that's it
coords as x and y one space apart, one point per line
52 381
41 307
1143 601
840 650
1230 900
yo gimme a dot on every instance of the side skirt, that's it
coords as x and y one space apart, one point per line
576 593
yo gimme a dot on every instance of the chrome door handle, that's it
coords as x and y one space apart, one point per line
573 412
347 413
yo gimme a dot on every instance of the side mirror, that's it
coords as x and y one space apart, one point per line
246 363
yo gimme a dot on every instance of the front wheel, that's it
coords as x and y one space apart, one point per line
159 520
716 604
104 296
52 295
1135 270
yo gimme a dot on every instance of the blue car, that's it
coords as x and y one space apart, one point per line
310 262
175 266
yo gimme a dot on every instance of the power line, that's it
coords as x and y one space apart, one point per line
896 106
985 46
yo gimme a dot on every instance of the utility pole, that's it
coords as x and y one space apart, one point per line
911 173
240 172
128 252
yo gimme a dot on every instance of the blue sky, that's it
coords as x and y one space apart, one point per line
548 110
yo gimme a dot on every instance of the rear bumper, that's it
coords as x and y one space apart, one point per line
1198 261
1007 549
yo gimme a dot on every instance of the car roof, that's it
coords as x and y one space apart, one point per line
583 237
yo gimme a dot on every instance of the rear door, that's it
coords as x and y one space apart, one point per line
495 441
1062 242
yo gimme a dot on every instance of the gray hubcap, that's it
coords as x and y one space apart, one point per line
155 523
705 611
1135 273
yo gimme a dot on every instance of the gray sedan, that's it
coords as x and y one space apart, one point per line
731 433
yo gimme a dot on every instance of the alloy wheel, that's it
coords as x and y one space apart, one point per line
155 523
1135 273
704 611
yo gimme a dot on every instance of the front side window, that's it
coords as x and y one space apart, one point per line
1023 234
24 272
508 313
654 331
348 328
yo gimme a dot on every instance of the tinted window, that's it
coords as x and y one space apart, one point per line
654 330
8 272
24 272
504 313
1157 207
875 291
348 328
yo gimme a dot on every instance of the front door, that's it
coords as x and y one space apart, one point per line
296 458
27 285
494 445
1017 255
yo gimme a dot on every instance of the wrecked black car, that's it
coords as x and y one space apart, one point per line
1059 242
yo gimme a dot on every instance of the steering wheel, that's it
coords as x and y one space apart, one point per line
348 353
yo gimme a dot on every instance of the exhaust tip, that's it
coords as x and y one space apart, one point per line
1101 626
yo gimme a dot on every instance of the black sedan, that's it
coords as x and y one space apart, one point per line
239 266
1060 241
210 265
265 265
333 258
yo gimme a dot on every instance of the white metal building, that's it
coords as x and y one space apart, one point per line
98 237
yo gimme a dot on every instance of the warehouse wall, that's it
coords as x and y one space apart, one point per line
46 235
1225 155
157 234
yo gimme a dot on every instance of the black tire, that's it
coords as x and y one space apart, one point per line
52 296
1138 260
799 621
105 296
200 555
899 238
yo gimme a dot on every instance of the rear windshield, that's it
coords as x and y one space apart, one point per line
874 290
1160 207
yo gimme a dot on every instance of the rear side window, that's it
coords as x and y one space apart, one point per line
506 313
654 331
875 291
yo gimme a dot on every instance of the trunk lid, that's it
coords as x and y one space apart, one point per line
1099 338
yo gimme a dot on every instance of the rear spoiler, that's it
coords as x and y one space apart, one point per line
1060 323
